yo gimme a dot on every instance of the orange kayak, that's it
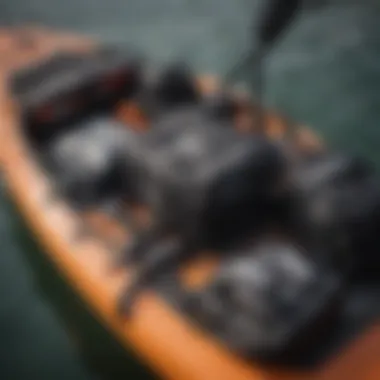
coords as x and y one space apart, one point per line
163 338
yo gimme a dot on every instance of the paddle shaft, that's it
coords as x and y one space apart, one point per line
275 17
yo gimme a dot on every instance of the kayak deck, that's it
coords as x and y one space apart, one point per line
170 344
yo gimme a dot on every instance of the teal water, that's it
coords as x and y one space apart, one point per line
325 72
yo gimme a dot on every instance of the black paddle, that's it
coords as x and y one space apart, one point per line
276 16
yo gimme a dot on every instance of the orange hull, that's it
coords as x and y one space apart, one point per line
168 343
